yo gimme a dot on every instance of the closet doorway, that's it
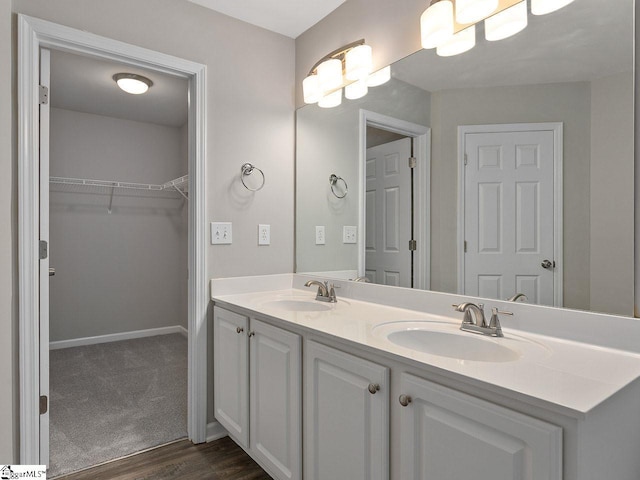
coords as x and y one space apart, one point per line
146 193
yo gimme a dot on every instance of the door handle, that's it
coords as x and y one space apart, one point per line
52 271
548 264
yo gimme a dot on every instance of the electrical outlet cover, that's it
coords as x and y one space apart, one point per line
264 234
320 236
349 234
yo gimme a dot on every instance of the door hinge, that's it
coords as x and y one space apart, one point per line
44 249
466 159
412 162
44 404
413 245
44 95
465 246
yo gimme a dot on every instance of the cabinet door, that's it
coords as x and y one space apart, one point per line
276 393
451 435
346 424
231 374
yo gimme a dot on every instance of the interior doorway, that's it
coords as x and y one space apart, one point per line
35 36
394 206
510 215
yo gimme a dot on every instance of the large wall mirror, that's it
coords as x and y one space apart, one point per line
524 169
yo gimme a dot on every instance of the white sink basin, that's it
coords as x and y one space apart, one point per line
447 340
297 305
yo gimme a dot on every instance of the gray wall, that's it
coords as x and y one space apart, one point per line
125 270
8 253
328 142
612 184
250 102
567 103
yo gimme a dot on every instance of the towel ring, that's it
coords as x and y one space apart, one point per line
246 170
333 180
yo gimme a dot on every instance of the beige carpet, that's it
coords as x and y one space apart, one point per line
113 399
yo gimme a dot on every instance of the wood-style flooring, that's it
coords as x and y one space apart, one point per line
218 460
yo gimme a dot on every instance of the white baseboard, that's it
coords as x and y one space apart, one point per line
116 337
215 431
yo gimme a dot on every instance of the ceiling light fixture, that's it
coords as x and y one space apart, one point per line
132 83
449 25
349 67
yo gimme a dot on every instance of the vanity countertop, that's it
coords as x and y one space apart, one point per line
563 375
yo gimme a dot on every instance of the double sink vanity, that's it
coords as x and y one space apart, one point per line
383 384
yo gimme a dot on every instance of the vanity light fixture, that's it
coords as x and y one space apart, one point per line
349 67
132 83
449 25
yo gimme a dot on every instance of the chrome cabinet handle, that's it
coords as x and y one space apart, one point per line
373 388
404 400
251 334
239 329
548 264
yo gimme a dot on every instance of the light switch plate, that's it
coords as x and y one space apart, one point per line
349 234
320 237
264 234
221 233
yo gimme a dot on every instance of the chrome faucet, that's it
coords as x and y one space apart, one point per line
474 320
517 296
326 291
362 279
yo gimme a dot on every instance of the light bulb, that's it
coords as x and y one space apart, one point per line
379 77
506 23
358 62
332 100
436 24
329 75
472 11
542 7
356 90
459 43
311 89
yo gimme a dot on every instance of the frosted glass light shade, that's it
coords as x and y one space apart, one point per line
311 89
459 43
379 77
542 7
356 90
329 75
436 24
506 23
332 100
132 83
472 11
358 62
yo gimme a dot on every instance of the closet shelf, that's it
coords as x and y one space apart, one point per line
179 184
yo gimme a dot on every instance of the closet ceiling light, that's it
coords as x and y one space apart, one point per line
350 67
447 25
132 83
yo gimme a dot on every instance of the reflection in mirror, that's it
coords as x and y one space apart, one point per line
524 175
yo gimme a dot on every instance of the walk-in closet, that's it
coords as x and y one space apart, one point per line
118 249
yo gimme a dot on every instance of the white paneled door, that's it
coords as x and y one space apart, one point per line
388 214
510 228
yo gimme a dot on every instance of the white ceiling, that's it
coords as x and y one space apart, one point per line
586 40
85 84
287 17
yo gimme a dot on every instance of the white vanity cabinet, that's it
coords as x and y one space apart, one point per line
257 390
346 416
446 434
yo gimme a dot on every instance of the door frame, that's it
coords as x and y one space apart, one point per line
557 129
421 135
34 33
